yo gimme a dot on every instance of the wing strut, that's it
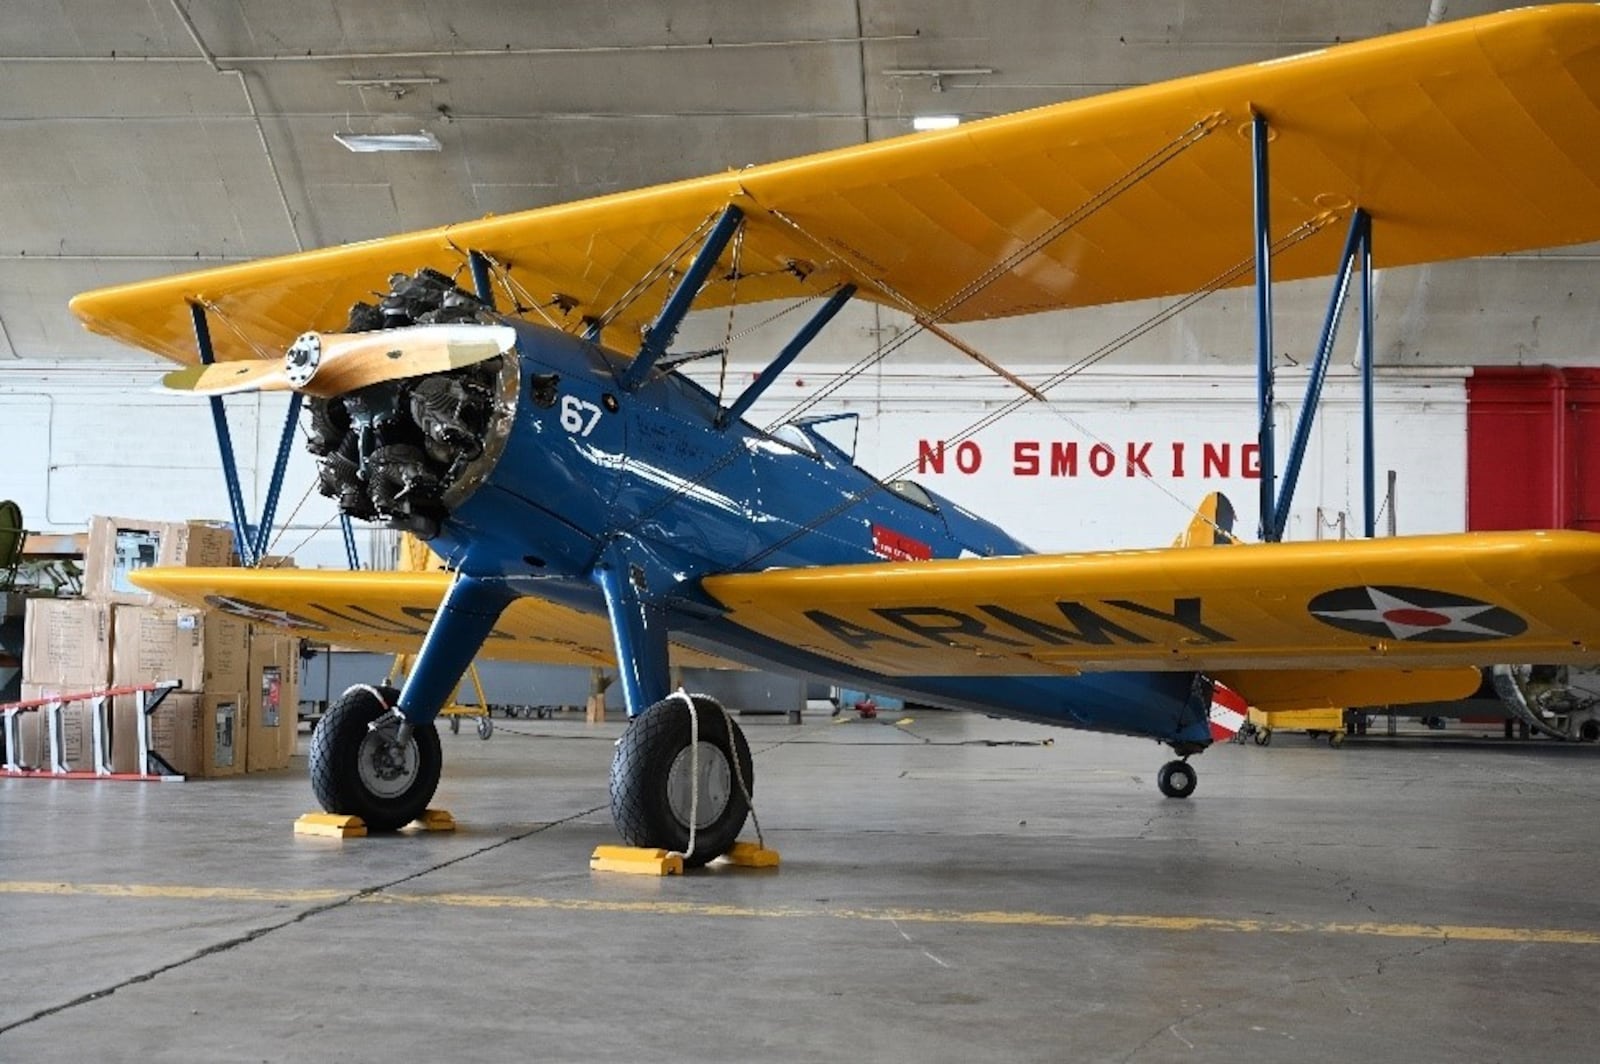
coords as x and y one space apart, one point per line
659 336
790 352
482 286
249 543
242 543
1358 244
1259 135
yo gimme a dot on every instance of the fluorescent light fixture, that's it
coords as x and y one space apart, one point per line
423 141
922 122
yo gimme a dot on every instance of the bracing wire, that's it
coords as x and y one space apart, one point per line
923 318
656 272
1222 280
1138 172
222 316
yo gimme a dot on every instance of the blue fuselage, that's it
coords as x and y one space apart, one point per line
590 475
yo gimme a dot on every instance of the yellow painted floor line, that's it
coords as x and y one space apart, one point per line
988 918
168 891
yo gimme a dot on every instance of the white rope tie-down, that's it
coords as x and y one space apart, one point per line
694 769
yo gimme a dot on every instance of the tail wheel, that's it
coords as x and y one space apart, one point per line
367 771
1177 779
657 771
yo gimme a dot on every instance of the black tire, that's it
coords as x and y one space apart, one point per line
1264 737
642 805
1177 779
352 767
485 727
455 725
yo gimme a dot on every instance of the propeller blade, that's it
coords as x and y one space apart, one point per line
226 378
329 364
354 360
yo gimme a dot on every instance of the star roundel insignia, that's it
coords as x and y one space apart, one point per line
1415 614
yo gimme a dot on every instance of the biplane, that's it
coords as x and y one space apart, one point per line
595 505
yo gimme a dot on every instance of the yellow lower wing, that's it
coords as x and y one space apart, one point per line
390 612
1417 602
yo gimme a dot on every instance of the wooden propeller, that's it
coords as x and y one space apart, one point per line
329 364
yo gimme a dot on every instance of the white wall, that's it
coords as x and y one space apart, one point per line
79 440
83 440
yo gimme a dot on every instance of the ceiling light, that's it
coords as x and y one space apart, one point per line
423 141
935 121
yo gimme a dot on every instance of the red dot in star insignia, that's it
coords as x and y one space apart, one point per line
1416 618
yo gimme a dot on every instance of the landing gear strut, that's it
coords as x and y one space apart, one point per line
1177 779
361 766
654 776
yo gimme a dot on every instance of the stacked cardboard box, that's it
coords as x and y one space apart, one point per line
67 649
230 690
119 546
272 720
208 653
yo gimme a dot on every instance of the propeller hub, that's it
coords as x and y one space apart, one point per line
300 362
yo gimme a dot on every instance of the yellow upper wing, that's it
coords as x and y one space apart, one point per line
1475 137
1408 602
389 612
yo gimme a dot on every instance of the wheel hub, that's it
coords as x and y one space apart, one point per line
715 785
387 767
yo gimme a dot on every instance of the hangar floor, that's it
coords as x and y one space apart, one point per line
941 899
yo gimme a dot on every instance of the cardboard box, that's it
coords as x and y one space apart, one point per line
224 738
202 649
203 545
174 733
274 693
119 546
77 730
67 643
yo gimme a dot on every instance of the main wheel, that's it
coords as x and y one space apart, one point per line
485 726
1177 779
367 772
653 780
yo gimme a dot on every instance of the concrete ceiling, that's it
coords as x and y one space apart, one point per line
142 139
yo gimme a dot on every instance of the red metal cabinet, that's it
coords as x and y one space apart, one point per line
1533 448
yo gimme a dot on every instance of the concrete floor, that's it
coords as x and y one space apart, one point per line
941 899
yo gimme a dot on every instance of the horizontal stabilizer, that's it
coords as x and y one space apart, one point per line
1278 690
1212 524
